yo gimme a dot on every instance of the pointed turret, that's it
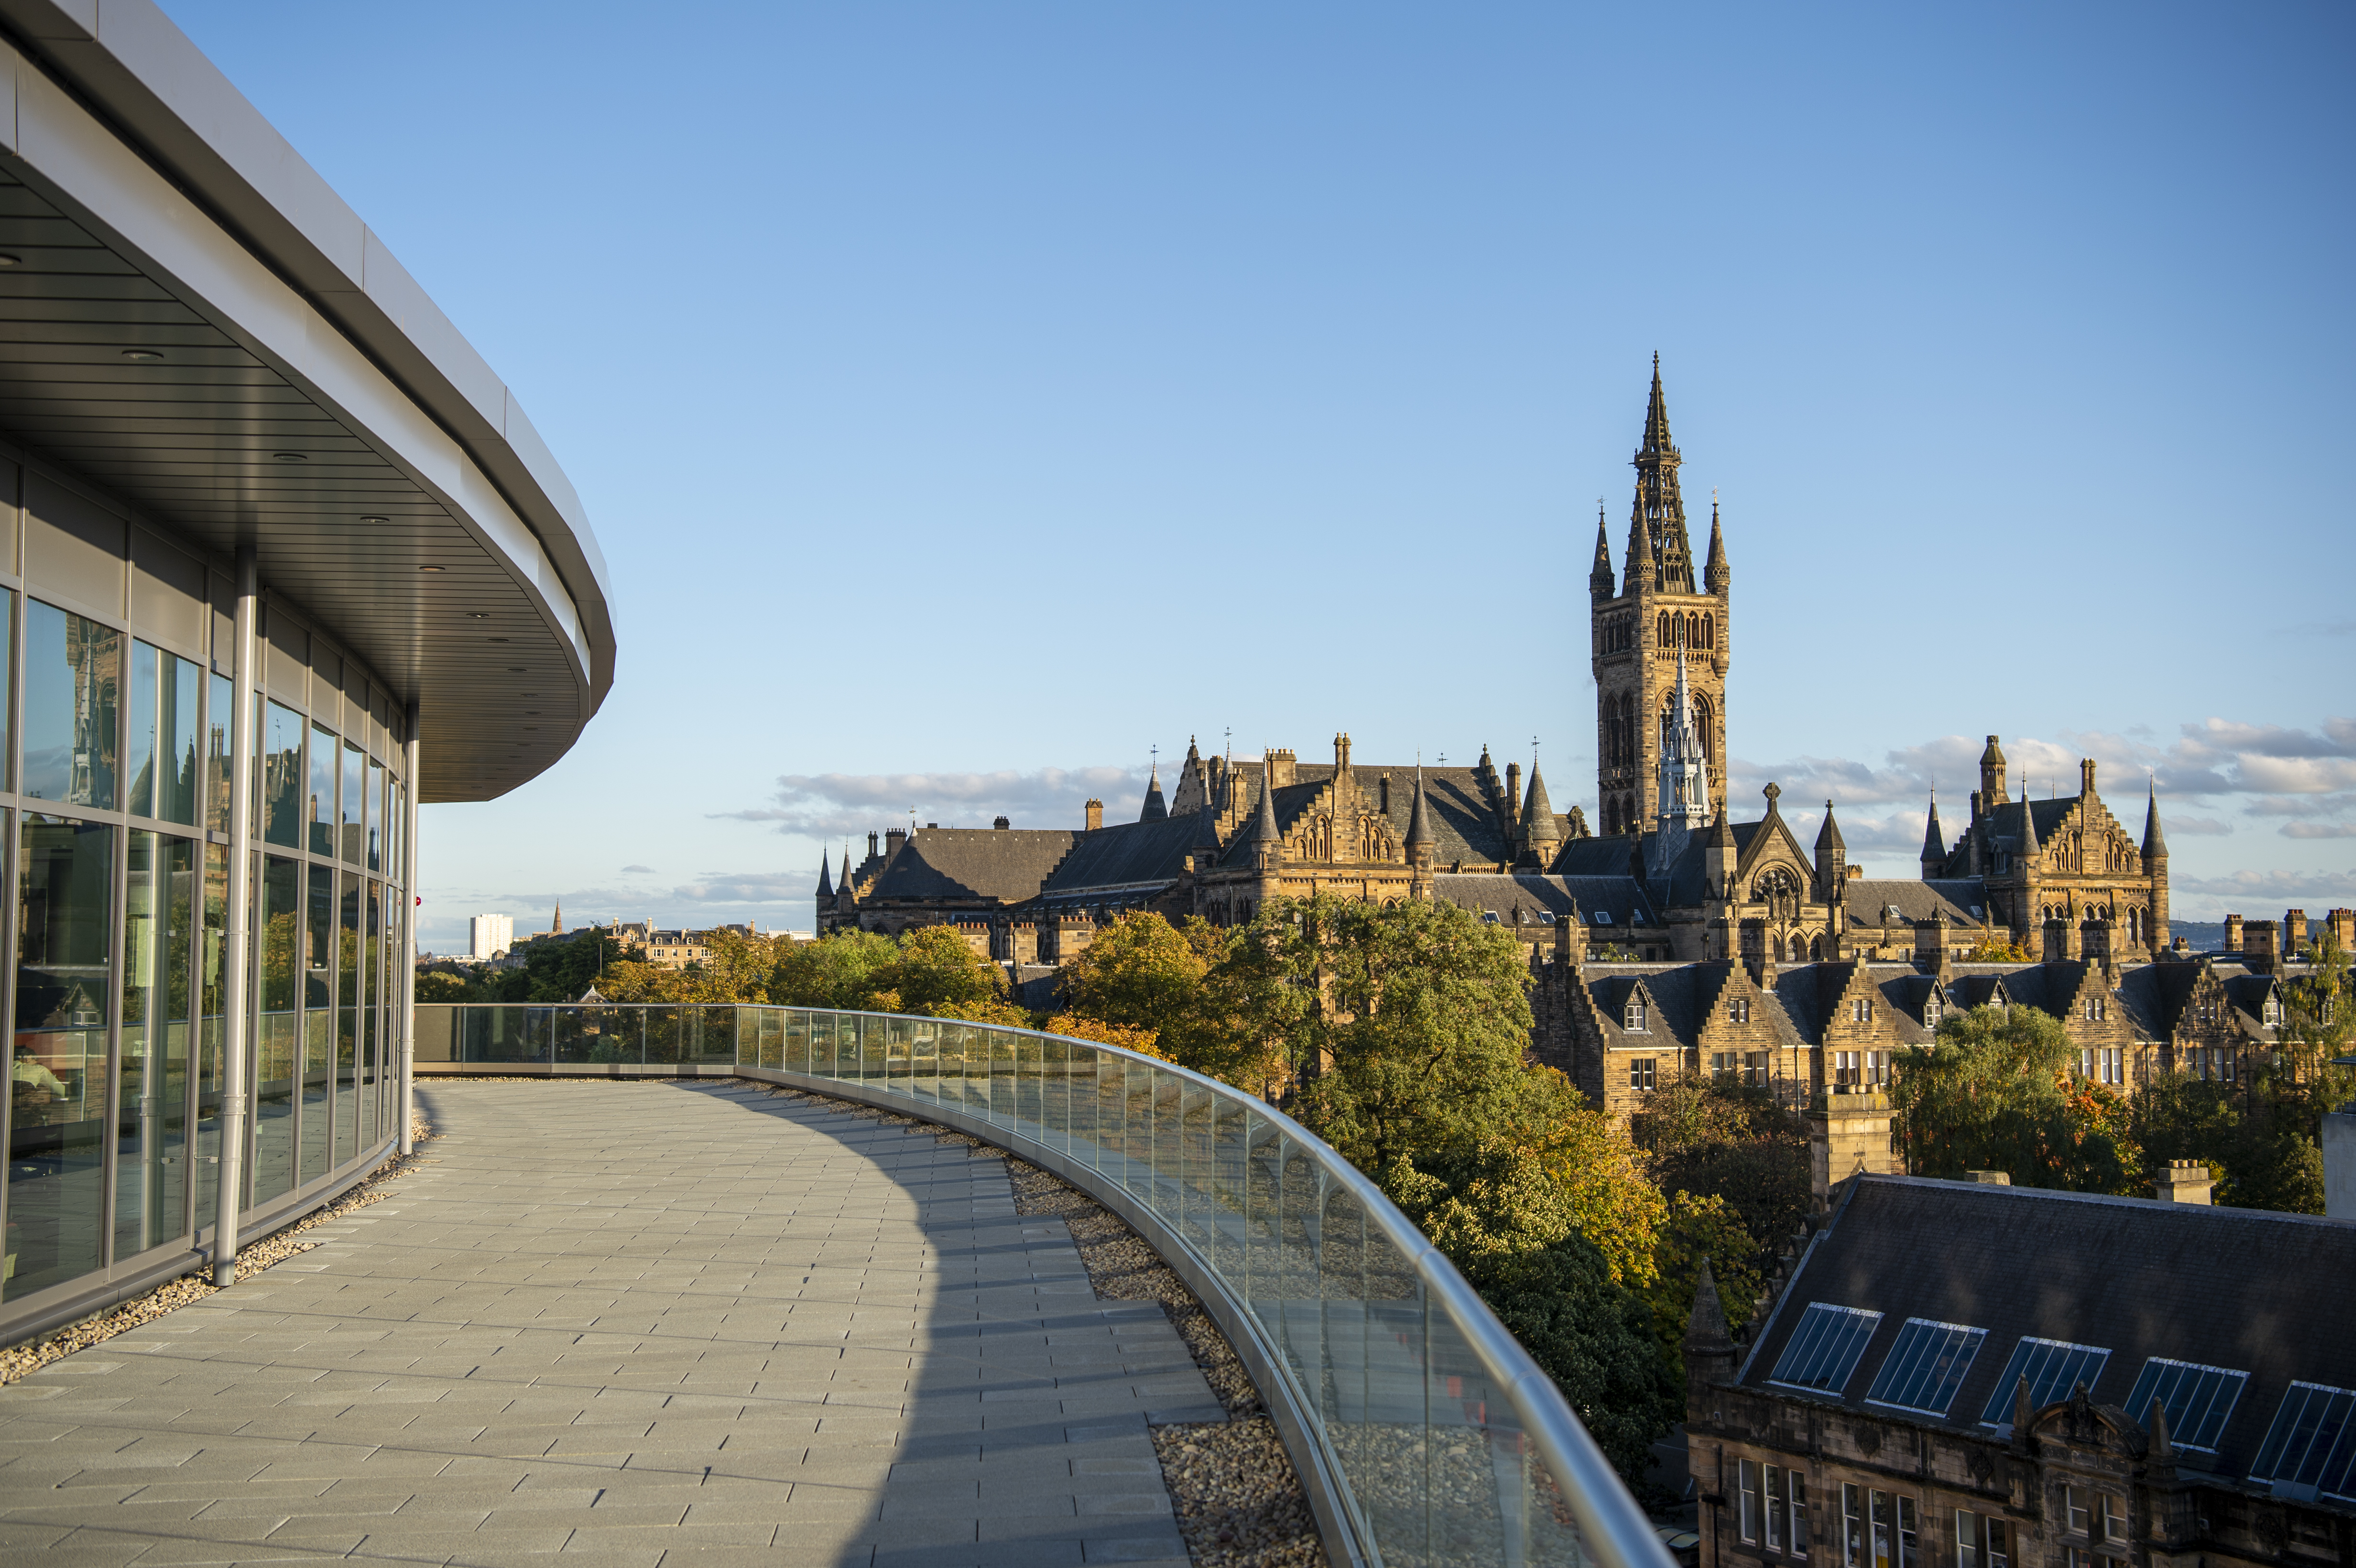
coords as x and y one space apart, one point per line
1992 776
1541 835
1934 844
844 898
1598 577
556 927
1264 829
1156 809
1683 785
1206 836
2026 844
1716 575
1657 417
2154 848
1828 836
1418 822
1832 868
825 881
1709 1347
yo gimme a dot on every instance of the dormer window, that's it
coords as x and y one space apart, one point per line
2271 1014
1635 1015
1931 1008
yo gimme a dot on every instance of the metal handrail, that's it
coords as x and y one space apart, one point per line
1612 1528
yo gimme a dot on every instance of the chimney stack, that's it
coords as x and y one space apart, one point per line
2233 934
2182 1181
2293 933
2260 951
1095 814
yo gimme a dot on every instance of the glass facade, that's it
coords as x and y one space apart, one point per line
115 789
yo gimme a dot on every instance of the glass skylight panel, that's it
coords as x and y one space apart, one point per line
1824 1349
2199 1400
2311 1447
1926 1365
2053 1367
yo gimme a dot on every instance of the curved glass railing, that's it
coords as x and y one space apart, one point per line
1439 1440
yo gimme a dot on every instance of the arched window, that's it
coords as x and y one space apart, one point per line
1710 631
1661 629
1815 952
1704 720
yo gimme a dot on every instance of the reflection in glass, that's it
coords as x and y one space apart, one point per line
162 760
355 782
279 931
318 1020
8 655
319 810
278 794
151 1153
219 705
372 1011
663 1025
376 814
60 1098
74 675
213 946
348 1014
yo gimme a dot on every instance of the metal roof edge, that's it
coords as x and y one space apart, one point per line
131 64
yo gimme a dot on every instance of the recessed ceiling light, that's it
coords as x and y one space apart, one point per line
378 522
479 615
8 261
288 457
516 669
140 354
432 569
495 639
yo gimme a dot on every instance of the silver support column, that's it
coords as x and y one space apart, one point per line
409 931
235 1033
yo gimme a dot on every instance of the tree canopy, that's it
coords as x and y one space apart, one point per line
1994 1092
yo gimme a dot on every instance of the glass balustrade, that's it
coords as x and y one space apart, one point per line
1442 1441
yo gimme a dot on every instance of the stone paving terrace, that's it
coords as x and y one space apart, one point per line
630 1324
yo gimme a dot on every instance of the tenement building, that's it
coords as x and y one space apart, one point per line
1985 1376
1675 940
280 559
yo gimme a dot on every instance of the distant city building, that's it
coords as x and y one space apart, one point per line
490 935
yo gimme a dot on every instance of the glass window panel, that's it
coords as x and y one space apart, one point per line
73 673
212 947
349 813
715 1038
2198 1399
218 707
978 1039
376 815
2310 1447
1263 1194
2052 1367
319 949
1027 1070
1926 1365
1385 1465
281 932
60 1099
349 961
1136 1129
319 809
371 1078
1230 1120
140 724
899 1038
176 729
772 1051
1112 1111
279 795
1823 1348
1168 1145
151 1158
8 655
1080 1111
1001 1077
1197 1164
822 1045
924 1060
949 1065
797 1040
872 1049
1341 1260
1466 1522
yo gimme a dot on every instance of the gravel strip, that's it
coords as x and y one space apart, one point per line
17 1360
1239 1501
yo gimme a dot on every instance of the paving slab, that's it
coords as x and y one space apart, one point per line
629 1324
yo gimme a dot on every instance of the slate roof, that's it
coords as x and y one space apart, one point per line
1532 894
1152 851
1960 897
1683 996
1006 864
1465 824
1684 885
2237 1288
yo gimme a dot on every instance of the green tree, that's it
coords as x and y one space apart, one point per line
1716 1137
1142 972
441 985
843 969
937 970
1993 1091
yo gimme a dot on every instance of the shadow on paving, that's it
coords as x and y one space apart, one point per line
630 1323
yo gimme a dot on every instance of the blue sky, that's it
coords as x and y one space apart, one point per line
970 397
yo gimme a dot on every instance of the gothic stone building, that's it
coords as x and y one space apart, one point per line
1958 1375
1735 946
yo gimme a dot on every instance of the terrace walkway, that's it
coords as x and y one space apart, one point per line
630 1324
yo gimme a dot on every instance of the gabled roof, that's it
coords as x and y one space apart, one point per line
2240 1289
1004 864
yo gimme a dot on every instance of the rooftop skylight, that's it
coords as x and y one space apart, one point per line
1824 1349
1926 1365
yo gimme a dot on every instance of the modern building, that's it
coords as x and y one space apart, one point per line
280 559
488 935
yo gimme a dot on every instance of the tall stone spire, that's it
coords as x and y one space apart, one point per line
1684 774
1935 843
2154 848
1418 822
1156 809
1540 833
1265 834
1657 527
556 928
825 881
1598 577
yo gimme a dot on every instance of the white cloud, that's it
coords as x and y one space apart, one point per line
829 804
2318 831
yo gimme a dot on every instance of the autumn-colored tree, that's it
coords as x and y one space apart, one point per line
1712 1136
1079 1026
938 969
1143 973
1991 948
1994 1092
